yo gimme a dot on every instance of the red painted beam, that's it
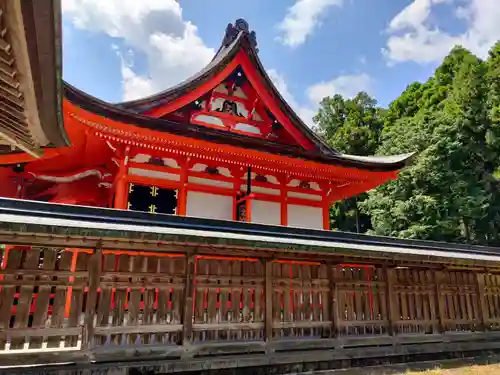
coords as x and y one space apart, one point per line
195 94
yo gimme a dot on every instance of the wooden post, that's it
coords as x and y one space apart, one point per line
438 277
95 271
182 201
326 214
392 300
188 307
248 204
121 183
269 300
237 176
284 201
121 194
334 299
482 305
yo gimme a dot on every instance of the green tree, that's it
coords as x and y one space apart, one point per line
493 140
351 126
493 99
448 193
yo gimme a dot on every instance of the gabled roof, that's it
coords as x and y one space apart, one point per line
113 112
237 38
147 112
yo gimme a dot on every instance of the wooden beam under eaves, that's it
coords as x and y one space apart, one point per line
28 97
16 142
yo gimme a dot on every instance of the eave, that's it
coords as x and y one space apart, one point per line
122 229
30 76
129 124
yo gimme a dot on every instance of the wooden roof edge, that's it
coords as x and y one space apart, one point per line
32 116
222 57
288 110
43 32
28 216
34 37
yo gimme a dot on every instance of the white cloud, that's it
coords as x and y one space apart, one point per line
174 51
305 112
282 86
346 85
302 18
155 28
414 37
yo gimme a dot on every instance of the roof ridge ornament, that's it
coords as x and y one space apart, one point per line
233 30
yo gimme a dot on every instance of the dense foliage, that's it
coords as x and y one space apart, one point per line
352 126
450 192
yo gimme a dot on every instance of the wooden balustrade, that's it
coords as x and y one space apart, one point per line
102 301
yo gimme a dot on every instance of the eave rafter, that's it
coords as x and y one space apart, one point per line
30 95
124 134
18 110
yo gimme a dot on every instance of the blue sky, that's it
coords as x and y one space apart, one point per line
125 49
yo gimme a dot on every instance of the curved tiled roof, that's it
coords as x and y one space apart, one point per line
237 38
242 39
117 113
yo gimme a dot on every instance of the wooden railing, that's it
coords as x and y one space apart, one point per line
98 304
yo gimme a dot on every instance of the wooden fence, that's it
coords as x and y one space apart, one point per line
108 304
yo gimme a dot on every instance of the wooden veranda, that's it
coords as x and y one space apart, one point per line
110 294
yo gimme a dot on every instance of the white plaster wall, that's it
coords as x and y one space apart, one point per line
247 128
221 88
260 189
154 174
312 197
209 120
206 181
210 206
264 212
305 217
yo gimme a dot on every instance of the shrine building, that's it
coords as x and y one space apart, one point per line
131 236
223 144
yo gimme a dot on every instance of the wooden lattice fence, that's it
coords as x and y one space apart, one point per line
98 300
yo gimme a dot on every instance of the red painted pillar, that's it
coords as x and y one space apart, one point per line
182 199
121 183
284 201
326 214
249 208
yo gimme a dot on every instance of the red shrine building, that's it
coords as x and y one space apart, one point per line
223 144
